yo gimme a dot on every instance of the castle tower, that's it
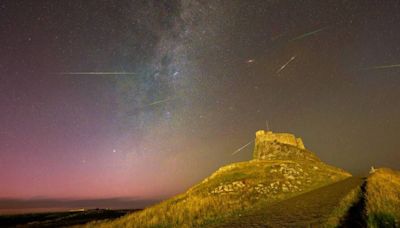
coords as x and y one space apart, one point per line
269 145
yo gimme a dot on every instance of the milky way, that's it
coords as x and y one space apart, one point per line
146 98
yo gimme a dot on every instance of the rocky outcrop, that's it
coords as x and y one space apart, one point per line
266 149
280 146
284 166
289 177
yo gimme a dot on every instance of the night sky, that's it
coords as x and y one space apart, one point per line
185 84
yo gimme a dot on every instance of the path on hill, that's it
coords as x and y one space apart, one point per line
307 210
356 217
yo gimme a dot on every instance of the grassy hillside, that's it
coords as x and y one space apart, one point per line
383 198
236 188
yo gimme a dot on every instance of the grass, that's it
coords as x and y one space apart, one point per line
383 198
201 206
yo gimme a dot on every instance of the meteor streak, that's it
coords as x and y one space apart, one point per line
161 101
308 34
241 148
96 73
383 67
285 65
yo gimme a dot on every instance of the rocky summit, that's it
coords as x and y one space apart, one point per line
280 165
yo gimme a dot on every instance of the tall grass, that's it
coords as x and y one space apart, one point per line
383 198
182 211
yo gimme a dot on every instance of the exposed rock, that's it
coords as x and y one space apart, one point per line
290 177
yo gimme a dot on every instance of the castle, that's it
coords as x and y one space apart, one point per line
269 145
284 138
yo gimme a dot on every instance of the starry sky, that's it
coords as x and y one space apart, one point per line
144 98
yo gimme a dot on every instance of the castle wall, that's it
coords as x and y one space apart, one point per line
279 137
300 143
275 146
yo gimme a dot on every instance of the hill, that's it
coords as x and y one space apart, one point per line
383 198
281 169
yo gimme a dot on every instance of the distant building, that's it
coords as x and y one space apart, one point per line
284 138
270 145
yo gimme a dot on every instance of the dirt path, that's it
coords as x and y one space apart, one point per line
356 217
307 210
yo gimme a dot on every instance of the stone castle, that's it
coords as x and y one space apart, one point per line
270 145
284 138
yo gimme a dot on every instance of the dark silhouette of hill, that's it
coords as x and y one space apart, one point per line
59 219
